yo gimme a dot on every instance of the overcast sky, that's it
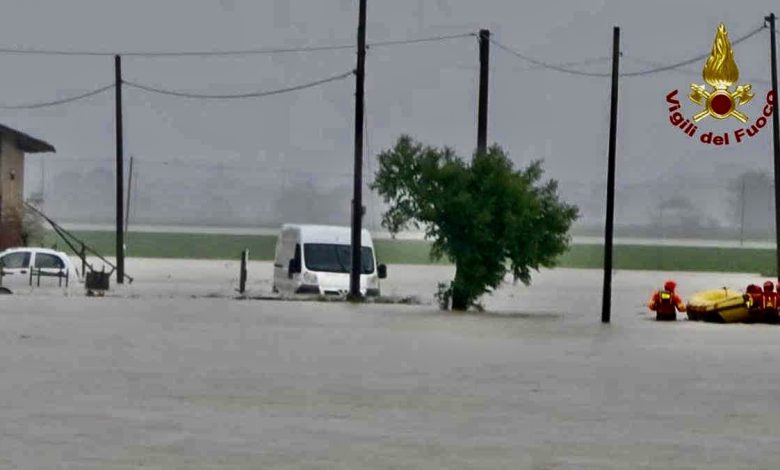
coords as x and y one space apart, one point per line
427 90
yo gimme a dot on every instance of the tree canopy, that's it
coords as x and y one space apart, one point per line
485 216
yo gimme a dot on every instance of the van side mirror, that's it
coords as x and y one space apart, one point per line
294 267
382 271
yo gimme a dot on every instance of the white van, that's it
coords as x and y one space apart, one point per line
317 259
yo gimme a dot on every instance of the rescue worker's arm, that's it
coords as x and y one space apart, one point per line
678 302
653 302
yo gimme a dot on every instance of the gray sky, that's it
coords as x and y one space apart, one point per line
427 90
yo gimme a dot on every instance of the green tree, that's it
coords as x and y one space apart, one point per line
485 216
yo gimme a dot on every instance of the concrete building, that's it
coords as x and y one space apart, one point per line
13 146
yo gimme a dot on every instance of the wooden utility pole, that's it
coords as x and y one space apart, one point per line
775 135
484 82
357 191
608 231
120 234
129 195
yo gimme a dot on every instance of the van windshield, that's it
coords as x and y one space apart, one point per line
331 258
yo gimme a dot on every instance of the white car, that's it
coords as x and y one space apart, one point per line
17 264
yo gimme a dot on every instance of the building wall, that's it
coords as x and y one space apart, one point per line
11 190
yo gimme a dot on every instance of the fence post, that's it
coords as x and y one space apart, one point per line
83 256
242 276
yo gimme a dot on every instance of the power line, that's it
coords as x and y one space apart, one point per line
688 71
47 104
546 65
574 63
237 52
663 68
692 60
593 60
185 163
417 41
60 52
257 94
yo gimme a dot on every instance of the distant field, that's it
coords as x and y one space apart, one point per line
212 246
674 258
261 247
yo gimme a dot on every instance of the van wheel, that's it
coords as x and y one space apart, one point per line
5 291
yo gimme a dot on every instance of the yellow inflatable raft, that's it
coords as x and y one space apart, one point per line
719 306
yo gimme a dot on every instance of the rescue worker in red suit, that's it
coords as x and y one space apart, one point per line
666 302
756 296
769 302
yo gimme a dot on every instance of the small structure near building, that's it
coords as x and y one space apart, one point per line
13 146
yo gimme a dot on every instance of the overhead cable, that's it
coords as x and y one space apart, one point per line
566 69
281 50
574 63
256 94
237 52
546 65
417 41
47 104
689 71
692 60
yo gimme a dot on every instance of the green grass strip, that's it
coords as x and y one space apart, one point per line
673 258
261 247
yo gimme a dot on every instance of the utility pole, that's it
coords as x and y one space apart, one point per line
484 81
608 232
129 195
775 135
120 235
357 191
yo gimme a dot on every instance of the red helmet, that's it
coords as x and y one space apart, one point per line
769 286
670 285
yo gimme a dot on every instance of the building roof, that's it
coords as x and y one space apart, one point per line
24 142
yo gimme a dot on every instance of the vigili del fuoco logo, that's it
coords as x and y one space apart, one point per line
721 97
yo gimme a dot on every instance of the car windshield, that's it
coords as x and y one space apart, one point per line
332 258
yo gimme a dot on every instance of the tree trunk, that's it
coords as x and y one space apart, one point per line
460 297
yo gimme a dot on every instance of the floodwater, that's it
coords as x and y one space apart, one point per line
156 376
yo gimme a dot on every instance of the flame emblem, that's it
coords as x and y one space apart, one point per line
721 73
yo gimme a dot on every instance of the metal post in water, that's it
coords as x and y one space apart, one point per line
484 83
120 233
243 273
775 135
608 232
357 191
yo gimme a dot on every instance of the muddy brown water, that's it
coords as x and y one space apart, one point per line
157 379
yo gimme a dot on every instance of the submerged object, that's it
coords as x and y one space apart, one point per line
719 306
